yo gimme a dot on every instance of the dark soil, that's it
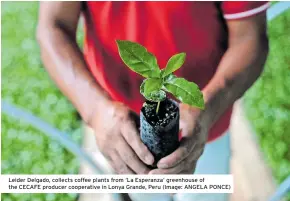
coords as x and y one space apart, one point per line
167 112
159 132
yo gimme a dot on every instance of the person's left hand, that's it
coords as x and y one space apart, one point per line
194 136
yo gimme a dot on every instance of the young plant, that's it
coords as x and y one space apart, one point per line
157 81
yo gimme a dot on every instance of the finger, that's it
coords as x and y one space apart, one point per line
175 170
130 158
132 137
135 118
197 152
189 170
194 168
185 148
118 165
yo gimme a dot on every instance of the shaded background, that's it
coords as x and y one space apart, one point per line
25 83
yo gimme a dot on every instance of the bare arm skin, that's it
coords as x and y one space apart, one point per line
239 68
63 59
113 123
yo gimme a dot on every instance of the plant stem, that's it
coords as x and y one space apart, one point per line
158 105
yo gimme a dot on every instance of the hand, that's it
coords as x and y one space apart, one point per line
118 139
194 137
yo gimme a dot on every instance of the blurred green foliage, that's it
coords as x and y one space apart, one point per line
25 83
38 197
267 103
274 2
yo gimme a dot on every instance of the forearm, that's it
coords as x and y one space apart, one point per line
238 70
65 63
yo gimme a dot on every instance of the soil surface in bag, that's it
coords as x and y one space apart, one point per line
159 132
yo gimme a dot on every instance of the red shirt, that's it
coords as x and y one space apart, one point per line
164 28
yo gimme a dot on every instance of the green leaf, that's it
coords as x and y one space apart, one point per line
185 91
174 63
152 84
142 87
138 59
156 96
151 89
169 77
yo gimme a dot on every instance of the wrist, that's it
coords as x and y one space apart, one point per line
98 109
108 110
217 100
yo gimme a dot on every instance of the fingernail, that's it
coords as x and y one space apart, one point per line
162 165
154 172
149 160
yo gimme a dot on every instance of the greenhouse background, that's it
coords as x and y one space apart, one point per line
25 83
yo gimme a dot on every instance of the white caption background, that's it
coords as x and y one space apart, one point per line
116 184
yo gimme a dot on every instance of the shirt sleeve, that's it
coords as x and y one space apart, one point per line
242 9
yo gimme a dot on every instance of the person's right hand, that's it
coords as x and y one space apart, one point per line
116 130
